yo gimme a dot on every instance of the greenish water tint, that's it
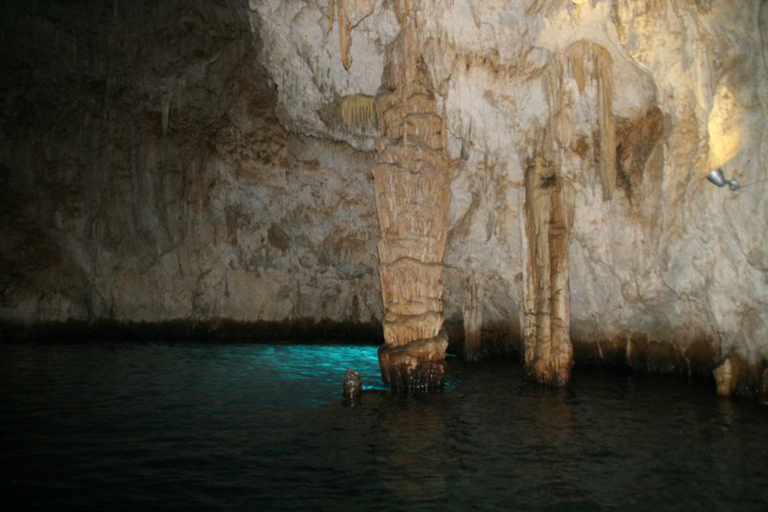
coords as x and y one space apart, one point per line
105 426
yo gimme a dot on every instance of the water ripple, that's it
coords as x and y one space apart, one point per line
194 425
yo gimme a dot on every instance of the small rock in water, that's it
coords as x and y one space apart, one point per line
353 385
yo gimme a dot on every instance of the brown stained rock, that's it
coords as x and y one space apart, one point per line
344 35
587 352
636 140
738 377
664 357
548 211
607 126
354 114
548 348
635 350
653 356
583 57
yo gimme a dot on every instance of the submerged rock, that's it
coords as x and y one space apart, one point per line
353 385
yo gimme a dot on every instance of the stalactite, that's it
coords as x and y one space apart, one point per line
412 202
548 348
345 29
575 56
585 55
727 376
358 113
402 12
607 125
473 317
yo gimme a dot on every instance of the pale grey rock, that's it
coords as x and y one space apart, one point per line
171 192
303 59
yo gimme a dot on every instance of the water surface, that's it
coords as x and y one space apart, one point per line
105 426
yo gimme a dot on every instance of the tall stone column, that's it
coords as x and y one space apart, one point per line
412 201
548 348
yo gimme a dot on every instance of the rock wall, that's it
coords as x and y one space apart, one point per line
146 177
640 101
150 172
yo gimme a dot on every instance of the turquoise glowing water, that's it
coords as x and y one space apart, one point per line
262 427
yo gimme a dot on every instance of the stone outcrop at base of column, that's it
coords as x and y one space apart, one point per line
419 365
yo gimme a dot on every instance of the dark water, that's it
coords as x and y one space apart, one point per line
261 427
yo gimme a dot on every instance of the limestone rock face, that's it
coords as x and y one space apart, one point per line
151 172
314 71
146 177
667 272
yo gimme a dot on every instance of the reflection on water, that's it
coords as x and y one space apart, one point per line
263 427
414 465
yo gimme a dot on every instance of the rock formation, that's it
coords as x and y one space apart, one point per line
530 181
352 386
147 180
548 349
412 201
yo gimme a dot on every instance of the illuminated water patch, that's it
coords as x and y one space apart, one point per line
311 374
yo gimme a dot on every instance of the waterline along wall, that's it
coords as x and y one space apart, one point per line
489 178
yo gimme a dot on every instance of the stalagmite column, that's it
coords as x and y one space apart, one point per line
473 317
548 348
728 375
412 201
